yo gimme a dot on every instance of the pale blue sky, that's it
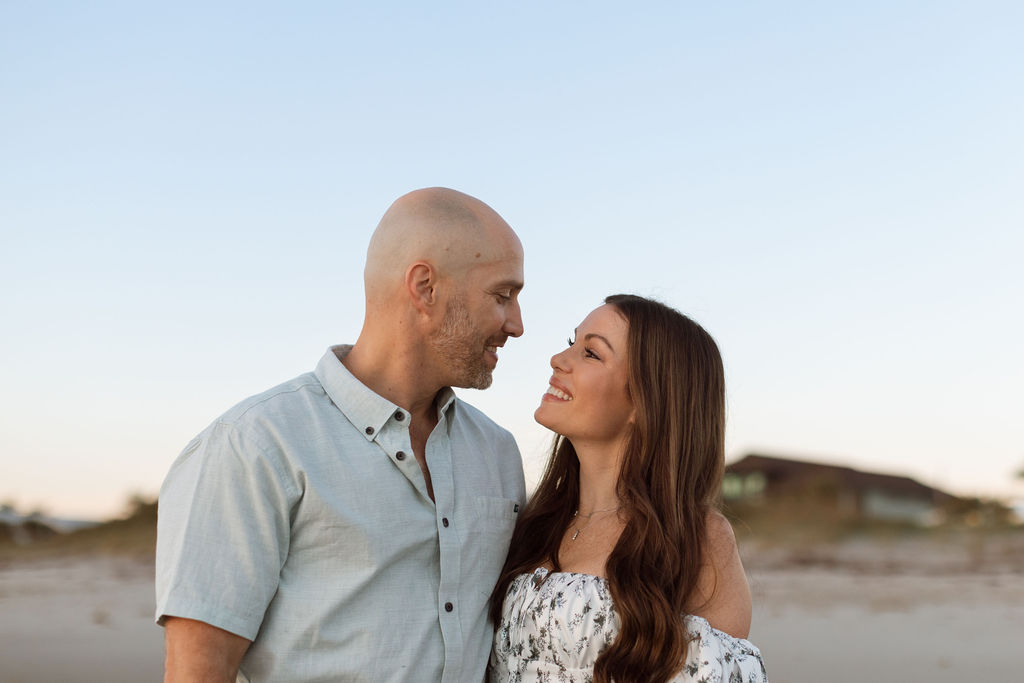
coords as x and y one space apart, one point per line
186 195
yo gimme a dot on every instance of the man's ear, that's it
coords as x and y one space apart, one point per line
421 284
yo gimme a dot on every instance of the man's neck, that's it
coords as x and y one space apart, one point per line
401 375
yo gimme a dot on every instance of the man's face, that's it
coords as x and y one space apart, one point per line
478 319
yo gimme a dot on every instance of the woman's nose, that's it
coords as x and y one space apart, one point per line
558 361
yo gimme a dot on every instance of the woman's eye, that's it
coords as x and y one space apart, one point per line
589 353
570 341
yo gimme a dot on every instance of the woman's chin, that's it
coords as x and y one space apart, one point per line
541 418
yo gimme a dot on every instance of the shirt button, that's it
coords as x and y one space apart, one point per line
400 455
399 416
444 520
448 607
369 430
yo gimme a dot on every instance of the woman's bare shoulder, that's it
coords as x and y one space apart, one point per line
719 530
723 594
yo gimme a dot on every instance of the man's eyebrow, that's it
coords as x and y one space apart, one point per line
515 285
607 343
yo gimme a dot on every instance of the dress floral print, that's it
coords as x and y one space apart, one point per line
554 626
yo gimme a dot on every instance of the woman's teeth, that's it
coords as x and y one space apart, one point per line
557 393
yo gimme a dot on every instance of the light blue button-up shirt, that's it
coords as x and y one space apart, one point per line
300 520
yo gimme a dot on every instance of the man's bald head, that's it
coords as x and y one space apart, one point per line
451 231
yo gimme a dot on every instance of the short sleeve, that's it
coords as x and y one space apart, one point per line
716 657
223 530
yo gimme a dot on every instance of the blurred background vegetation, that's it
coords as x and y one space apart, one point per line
34 536
788 512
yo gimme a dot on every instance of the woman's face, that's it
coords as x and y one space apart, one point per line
587 400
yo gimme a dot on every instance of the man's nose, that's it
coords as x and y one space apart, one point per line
513 326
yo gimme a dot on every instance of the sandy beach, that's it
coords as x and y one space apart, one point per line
897 611
815 625
86 619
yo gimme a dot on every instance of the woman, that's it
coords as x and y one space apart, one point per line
620 567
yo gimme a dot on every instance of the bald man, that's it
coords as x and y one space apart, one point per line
349 525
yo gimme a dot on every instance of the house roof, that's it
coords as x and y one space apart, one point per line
776 469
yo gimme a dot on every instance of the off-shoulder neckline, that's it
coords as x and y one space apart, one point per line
582 575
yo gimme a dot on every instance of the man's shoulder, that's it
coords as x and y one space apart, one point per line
263 419
277 402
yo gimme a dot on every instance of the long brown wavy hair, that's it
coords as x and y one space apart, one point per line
669 482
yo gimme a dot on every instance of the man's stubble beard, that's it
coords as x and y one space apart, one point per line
460 349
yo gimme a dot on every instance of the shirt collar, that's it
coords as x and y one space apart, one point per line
446 401
363 407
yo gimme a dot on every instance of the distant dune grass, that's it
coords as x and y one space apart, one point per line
798 523
795 527
800 534
797 520
132 536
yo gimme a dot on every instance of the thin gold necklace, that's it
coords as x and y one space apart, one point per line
590 518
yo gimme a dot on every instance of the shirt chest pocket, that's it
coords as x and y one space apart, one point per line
489 531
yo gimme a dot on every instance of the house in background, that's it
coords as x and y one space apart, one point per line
843 491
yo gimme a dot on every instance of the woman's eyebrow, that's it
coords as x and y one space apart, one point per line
593 335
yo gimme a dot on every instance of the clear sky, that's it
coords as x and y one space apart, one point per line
834 190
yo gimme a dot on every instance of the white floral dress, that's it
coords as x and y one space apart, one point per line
553 630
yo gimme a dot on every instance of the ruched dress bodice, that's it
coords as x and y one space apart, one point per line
555 625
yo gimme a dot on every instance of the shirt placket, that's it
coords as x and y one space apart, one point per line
395 440
439 461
